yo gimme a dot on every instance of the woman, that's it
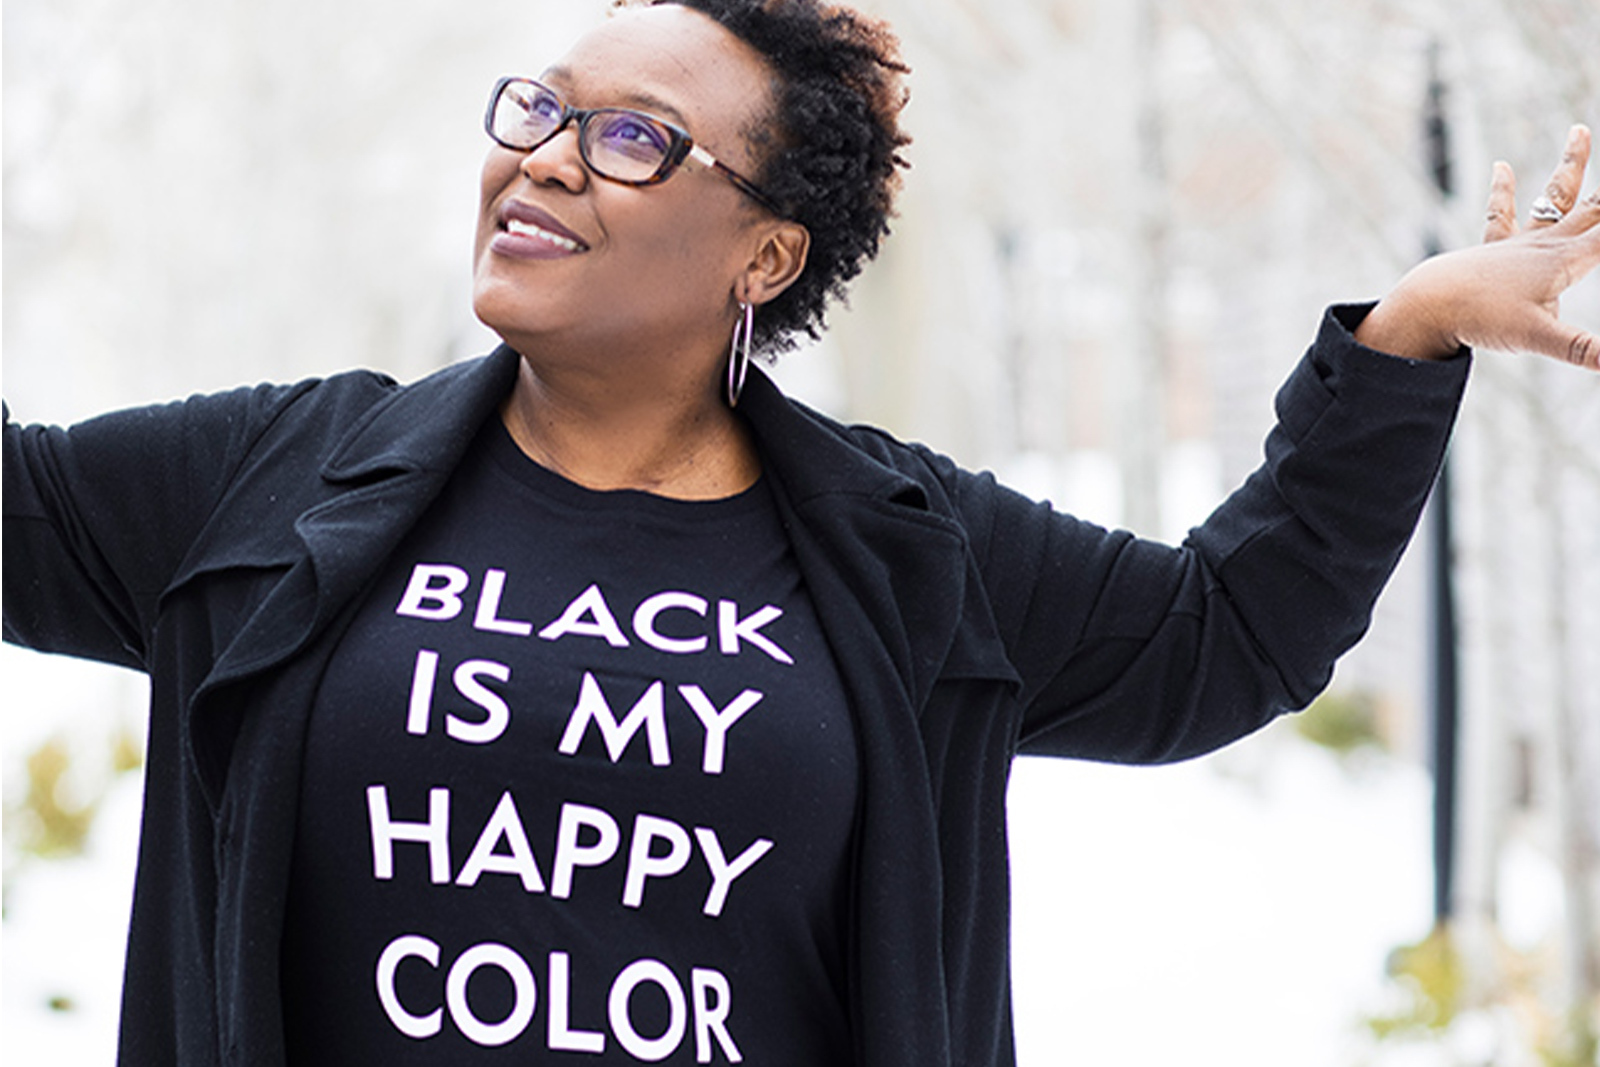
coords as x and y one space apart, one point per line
594 702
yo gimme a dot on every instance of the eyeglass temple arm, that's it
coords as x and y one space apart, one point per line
743 184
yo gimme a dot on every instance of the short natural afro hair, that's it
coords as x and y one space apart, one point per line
832 161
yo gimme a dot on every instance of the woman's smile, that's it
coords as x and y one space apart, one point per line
529 232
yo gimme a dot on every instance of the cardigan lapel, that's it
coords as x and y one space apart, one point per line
377 483
391 467
892 539
372 489
897 596
899 1005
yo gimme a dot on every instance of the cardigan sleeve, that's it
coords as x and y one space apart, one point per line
98 517
1132 651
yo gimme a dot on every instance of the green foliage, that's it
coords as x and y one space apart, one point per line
54 812
1433 978
1578 1045
1344 721
126 753
50 822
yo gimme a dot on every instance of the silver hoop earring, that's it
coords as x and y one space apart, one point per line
739 354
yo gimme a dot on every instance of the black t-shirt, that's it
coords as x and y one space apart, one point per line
578 787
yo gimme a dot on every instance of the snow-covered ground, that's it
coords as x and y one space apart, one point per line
1237 910
65 928
66 920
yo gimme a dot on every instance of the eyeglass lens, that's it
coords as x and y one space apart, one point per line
623 145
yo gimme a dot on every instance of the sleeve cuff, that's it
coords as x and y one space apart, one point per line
1342 320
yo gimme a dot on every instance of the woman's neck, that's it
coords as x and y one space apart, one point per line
671 438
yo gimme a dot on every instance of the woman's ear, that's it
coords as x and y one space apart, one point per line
779 259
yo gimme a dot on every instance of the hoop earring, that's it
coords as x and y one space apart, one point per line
739 354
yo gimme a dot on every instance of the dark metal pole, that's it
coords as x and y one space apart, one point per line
1445 705
1442 660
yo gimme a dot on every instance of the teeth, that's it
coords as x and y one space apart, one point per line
524 229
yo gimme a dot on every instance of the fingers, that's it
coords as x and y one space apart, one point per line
1561 192
1582 229
1502 216
1564 341
1557 203
1583 350
1586 215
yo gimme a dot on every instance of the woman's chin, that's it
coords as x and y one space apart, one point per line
505 309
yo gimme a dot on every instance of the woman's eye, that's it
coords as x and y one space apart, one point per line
626 133
545 109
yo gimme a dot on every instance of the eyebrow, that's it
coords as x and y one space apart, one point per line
633 98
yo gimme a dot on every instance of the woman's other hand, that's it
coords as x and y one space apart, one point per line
1504 294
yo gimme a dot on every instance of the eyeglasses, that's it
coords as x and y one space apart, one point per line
616 143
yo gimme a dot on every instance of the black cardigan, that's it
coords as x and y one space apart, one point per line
220 543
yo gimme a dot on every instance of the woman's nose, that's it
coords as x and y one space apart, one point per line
557 160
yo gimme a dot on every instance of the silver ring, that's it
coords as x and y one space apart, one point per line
1544 210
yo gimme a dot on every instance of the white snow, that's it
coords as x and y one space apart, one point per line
1187 914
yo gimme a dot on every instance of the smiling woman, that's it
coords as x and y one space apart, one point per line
576 700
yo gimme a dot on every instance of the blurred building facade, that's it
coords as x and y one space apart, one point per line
1138 214
1121 226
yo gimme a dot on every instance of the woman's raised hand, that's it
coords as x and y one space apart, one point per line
1503 294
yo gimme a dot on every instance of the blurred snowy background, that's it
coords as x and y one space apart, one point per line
1123 220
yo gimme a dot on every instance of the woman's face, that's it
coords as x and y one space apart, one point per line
627 263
